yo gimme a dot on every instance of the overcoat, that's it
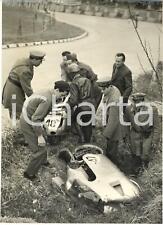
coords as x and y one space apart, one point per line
36 110
142 137
114 130
18 84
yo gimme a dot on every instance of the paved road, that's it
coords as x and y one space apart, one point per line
106 37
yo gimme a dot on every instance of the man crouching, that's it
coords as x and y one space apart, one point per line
34 111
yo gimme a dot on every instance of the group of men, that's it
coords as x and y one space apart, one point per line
80 81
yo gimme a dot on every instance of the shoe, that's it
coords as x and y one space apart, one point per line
81 140
29 177
66 155
25 144
20 141
47 164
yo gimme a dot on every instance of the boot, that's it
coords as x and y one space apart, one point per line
111 151
145 164
19 139
80 133
137 164
87 133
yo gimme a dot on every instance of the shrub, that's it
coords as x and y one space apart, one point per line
145 83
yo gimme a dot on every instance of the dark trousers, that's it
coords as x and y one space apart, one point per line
112 151
97 95
84 132
18 113
39 154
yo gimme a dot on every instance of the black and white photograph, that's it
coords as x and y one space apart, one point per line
81 111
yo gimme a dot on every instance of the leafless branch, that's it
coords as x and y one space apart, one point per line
158 48
141 64
145 51
150 52
145 45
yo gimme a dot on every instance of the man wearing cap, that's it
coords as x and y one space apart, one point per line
80 91
18 83
143 138
85 71
34 111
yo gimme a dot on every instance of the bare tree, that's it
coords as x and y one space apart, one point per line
147 53
20 27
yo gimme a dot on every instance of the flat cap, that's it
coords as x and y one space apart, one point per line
74 56
61 85
37 54
73 67
138 95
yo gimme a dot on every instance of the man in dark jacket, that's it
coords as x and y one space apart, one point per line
36 108
81 91
19 82
122 77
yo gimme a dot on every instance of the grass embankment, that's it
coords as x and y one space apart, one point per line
24 25
44 202
147 82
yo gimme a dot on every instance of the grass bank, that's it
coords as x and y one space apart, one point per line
24 25
45 203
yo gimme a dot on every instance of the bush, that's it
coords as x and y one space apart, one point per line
145 83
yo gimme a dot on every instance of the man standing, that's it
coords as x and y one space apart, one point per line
122 77
35 109
18 83
63 65
81 91
144 137
85 70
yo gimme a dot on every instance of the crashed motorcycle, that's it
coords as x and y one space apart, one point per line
55 123
96 177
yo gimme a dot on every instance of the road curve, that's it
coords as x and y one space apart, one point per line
106 37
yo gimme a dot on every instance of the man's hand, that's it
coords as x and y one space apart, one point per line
41 141
104 84
154 146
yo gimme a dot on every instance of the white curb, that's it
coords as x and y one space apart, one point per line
36 43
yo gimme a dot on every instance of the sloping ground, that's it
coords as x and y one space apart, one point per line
16 220
25 25
44 202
